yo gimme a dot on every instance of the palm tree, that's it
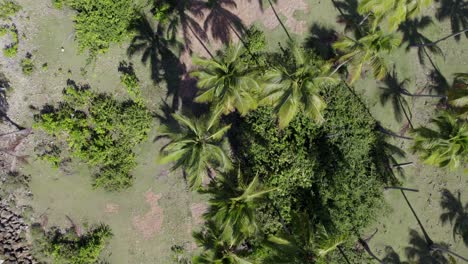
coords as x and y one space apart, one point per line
456 214
445 147
216 250
195 146
304 245
229 83
396 11
294 82
232 207
458 95
368 50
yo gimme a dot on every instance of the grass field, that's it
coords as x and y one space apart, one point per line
159 211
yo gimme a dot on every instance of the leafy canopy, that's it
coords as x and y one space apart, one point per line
100 131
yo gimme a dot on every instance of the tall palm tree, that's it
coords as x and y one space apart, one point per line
305 244
216 250
232 207
294 82
196 145
456 214
445 146
396 11
368 50
228 82
458 95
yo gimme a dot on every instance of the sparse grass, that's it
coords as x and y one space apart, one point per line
11 50
27 65
8 8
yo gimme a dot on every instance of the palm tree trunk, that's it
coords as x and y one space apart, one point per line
400 188
436 247
343 254
405 92
442 39
401 165
426 236
368 250
244 43
404 112
279 19
201 42
6 118
390 133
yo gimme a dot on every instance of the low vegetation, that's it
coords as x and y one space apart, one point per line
98 130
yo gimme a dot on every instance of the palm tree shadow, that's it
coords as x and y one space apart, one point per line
391 257
393 92
456 214
421 252
321 39
457 12
349 16
437 82
4 105
156 50
410 29
221 21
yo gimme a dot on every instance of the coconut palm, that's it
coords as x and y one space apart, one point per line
455 11
196 146
232 207
445 146
228 82
395 11
368 50
294 82
304 245
216 250
458 95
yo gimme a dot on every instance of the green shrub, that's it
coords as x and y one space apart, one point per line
4 30
329 170
58 3
69 248
11 50
131 82
100 131
102 22
8 8
27 65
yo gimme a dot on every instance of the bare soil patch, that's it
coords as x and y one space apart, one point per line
150 223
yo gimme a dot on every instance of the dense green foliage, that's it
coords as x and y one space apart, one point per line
8 8
102 22
329 170
69 248
100 131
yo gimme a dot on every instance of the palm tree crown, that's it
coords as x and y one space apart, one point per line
233 208
369 49
445 147
196 146
228 82
396 11
294 82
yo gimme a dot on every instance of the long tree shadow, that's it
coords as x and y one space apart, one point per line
321 39
221 21
457 12
4 106
156 50
410 29
391 257
456 214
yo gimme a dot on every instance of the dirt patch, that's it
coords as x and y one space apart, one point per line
150 223
198 209
112 208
